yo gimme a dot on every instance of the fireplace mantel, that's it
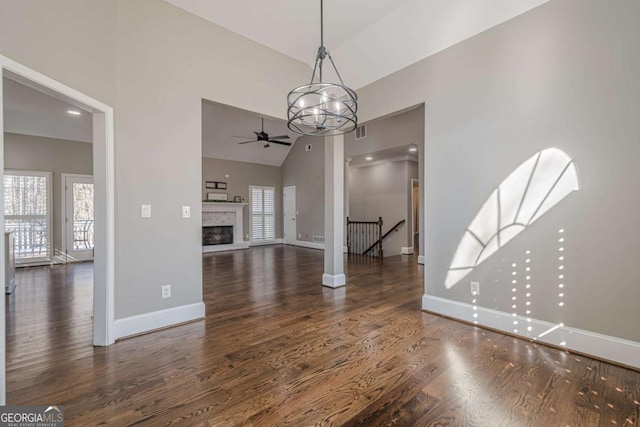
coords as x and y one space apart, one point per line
236 221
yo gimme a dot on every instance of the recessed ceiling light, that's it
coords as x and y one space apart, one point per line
413 149
369 158
74 112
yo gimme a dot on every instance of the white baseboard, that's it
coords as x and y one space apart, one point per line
312 245
605 347
270 242
406 250
222 248
158 319
333 280
421 259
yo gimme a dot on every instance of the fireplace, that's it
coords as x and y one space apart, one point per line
217 235
222 228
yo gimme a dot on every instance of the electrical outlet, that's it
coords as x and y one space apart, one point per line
299 235
475 288
166 291
307 147
145 211
186 212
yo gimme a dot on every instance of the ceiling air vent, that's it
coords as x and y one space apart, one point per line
361 132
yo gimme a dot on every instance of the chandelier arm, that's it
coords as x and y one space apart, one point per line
335 68
315 67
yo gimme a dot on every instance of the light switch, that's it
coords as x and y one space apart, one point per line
145 211
186 212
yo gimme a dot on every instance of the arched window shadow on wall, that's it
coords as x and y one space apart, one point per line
524 196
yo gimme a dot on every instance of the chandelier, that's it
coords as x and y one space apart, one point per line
319 108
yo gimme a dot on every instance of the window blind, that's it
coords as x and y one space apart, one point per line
263 218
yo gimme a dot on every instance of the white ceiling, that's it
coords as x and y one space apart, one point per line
31 112
220 122
368 39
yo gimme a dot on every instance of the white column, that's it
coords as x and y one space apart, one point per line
333 276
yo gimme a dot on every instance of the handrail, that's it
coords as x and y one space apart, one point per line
385 235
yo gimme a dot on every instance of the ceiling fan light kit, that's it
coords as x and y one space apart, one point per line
322 109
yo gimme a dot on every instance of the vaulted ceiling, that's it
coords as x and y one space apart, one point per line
368 39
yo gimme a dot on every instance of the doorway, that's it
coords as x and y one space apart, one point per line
103 170
290 230
78 220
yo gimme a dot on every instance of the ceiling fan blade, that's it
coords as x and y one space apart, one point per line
246 142
280 142
279 137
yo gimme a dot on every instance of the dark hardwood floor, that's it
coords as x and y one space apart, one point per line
278 349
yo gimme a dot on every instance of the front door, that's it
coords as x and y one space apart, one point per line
289 215
78 217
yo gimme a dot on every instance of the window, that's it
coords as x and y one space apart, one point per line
27 210
263 214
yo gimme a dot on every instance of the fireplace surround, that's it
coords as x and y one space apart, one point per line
219 215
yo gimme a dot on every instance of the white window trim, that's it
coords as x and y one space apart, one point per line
49 176
251 239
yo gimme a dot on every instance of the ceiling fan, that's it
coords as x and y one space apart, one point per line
265 138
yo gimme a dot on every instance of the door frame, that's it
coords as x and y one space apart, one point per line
284 210
414 182
103 172
63 218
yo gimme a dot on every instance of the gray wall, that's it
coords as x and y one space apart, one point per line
395 130
25 152
305 170
154 63
384 190
398 128
241 176
563 75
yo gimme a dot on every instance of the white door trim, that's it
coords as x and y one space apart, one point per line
63 216
103 171
292 239
413 207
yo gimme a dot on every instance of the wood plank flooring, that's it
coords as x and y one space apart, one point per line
277 349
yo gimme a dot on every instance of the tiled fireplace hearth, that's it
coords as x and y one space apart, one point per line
219 217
